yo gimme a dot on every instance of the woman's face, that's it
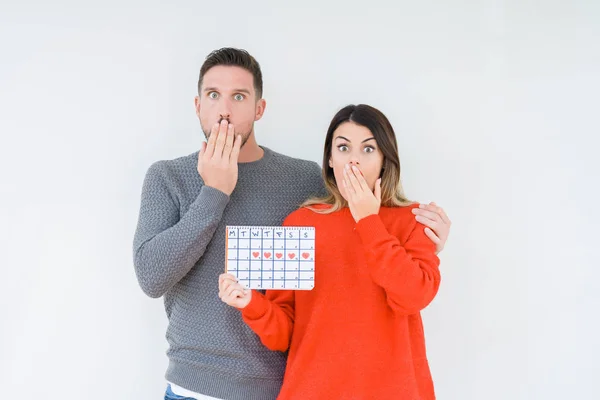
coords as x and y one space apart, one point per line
355 145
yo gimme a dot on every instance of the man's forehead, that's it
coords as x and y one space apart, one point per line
228 78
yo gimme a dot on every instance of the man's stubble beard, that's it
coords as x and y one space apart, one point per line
245 136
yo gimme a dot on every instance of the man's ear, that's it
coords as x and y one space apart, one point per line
260 109
197 105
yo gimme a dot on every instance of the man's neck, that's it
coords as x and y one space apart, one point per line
251 151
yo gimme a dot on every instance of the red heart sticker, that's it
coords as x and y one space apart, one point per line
278 255
305 255
255 254
267 255
291 255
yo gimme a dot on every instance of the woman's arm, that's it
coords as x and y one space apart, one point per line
270 316
408 272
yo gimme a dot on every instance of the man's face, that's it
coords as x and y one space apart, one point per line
228 93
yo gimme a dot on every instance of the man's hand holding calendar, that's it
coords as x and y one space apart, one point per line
218 159
232 293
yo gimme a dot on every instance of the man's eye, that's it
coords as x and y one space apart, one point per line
213 95
343 147
239 97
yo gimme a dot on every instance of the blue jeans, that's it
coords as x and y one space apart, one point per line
169 395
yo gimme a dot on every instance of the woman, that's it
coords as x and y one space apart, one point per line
358 333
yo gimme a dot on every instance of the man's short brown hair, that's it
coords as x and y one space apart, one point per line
233 57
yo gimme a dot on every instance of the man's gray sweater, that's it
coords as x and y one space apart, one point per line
179 253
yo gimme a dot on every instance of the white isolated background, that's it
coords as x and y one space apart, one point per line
495 104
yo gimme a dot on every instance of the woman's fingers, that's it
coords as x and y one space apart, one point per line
358 176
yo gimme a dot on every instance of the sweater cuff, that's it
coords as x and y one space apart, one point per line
211 199
257 307
370 229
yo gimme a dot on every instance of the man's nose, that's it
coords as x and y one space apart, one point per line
223 116
224 110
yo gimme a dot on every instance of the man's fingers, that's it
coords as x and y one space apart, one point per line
228 143
220 143
235 152
444 216
200 167
212 139
436 209
202 150
427 214
431 235
432 224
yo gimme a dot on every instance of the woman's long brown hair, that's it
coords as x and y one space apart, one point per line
392 194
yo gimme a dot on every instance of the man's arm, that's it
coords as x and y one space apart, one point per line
167 245
437 223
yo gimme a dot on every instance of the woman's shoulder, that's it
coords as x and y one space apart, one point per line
305 215
307 212
400 210
399 219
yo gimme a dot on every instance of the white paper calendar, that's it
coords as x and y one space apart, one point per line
272 257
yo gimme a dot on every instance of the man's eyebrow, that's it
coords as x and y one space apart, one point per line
214 89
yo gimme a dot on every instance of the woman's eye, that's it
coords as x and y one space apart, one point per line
213 95
238 97
369 149
343 147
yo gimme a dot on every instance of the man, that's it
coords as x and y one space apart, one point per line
179 244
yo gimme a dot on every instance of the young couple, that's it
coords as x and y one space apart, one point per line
358 333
